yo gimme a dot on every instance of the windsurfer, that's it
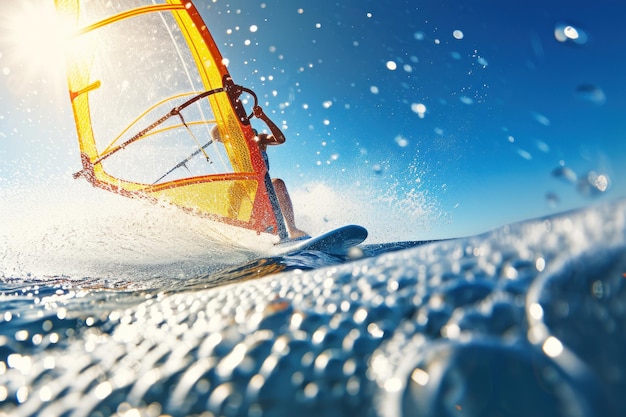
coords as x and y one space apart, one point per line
276 137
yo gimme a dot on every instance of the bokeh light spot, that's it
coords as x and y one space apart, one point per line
419 108
567 33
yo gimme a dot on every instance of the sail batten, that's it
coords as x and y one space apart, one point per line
127 14
147 85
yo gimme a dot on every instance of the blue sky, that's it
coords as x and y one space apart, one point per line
508 98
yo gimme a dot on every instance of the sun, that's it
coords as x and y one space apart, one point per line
31 40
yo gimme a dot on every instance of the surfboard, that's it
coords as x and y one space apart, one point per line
335 242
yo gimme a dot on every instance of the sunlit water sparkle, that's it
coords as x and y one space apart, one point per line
525 320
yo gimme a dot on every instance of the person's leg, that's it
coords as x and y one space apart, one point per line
287 208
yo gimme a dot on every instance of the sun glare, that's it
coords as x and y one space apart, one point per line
33 39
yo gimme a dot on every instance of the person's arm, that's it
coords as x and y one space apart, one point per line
276 137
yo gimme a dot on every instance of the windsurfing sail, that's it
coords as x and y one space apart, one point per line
147 85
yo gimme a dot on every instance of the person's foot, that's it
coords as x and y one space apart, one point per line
297 233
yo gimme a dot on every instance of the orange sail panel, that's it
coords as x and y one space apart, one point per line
148 86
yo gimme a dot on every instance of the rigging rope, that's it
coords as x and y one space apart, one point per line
200 148
174 112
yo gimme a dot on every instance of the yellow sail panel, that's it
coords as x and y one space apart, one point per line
206 197
148 90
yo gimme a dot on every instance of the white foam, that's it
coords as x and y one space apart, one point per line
70 228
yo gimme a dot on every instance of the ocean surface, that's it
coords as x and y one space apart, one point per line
526 320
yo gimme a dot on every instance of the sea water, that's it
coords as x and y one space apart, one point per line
526 320
400 114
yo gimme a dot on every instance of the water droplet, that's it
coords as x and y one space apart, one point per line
593 184
393 385
420 376
566 174
21 335
552 347
591 94
419 108
524 154
567 33
401 141
552 199
103 390
536 311
311 390
541 119
542 146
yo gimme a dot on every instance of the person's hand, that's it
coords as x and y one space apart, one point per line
258 112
